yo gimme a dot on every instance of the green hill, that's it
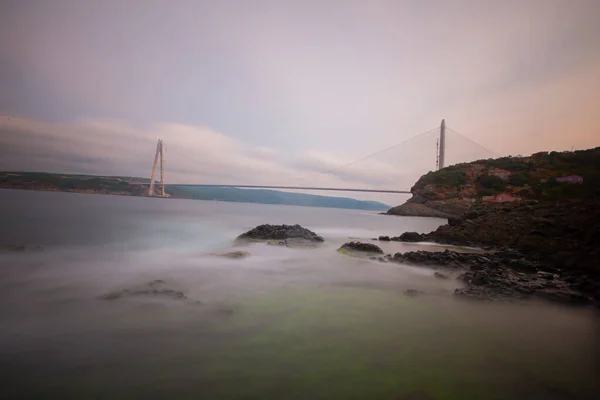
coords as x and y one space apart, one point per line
265 196
454 189
131 186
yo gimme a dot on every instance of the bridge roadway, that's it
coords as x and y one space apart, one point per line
292 188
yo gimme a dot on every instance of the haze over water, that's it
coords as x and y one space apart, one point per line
281 324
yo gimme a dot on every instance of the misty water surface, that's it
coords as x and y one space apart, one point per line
280 324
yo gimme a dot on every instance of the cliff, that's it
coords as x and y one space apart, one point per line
544 176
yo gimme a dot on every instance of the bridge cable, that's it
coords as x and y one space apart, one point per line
371 155
474 142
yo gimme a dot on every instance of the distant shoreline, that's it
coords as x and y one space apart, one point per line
138 187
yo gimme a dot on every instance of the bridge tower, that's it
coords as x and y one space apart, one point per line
159 153
442 148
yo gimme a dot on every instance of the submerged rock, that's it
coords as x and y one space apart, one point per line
153 288
440 275
384 238
280 232
413 292
236 254
361 247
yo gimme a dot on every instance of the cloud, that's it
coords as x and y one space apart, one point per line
194 154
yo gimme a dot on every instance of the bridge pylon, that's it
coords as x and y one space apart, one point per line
159 153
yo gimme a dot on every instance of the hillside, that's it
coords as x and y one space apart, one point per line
131 186
454 190
265 196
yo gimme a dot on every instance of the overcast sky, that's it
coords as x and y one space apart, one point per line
279 92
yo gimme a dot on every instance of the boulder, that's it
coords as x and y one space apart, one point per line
361 247
280 232
384 238
409 237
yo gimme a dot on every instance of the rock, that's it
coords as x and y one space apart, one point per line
409 237
546 275
454 221
153 288
417 210
440 275
236 254
384 238
489 278
280 232
297 243
361 247
413 292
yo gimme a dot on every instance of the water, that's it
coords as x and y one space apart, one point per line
280 324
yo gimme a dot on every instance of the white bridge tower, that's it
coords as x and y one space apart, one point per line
160 152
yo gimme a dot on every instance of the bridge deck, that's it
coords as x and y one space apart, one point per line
296 188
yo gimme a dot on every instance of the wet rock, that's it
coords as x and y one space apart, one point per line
454 221
293 243
384 238
236 254
492 278
439 275
280 232
361 247
413 292
153 288
409 237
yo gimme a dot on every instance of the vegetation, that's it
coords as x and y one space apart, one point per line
452 176
139 187
513 164
264 196
521 179
492 183
530 177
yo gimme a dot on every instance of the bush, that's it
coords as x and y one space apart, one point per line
449 176
520 179
491 182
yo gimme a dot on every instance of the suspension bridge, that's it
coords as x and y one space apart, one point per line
440 162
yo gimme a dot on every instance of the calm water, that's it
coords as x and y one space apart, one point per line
280 324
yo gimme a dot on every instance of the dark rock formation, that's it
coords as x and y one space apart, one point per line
236 254
564 235
439 275
361 247
154 288
297 243
507 276
280 232
413 292
417 210
384 238
409 237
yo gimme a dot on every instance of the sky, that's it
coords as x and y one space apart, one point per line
287 92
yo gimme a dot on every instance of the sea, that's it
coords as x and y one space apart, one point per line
280 323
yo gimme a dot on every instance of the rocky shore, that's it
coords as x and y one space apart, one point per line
535 251
539 249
